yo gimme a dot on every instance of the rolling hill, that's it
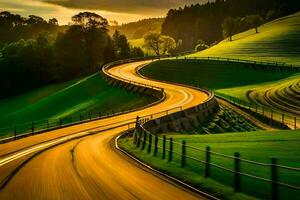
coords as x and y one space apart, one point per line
276 41
276 89
89 94
135 30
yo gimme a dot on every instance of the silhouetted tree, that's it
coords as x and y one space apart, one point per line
255 21
121 45
137 52
89 20
95 31
229 27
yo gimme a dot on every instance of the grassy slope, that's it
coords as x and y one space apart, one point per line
276 41
61 100
257 146
227 79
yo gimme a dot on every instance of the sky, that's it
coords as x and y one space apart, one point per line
123 11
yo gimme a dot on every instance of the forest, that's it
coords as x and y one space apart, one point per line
204 22
35 52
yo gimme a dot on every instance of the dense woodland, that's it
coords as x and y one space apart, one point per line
35 53
204 22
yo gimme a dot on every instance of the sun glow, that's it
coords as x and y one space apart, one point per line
63 14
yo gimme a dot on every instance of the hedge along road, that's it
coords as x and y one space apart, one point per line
82 162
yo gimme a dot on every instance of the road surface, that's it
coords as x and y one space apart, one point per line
82 162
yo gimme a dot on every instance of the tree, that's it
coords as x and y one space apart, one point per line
200 45
53 22
121 45
71 53
89 20
255 21
229 27
94 28
137 52
160 44
168 44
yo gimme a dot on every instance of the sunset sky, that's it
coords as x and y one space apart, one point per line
120 10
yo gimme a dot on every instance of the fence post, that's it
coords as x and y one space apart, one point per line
155 145
150 143
237 169
207 163
139 135
135 137
183 153
164 148
32 127
171 150
144 140
274 178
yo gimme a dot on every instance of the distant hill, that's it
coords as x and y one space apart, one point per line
276 41
135 30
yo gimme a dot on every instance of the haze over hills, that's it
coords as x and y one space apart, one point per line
135 30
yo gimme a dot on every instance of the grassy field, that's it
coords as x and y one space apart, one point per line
90 94
233 80
276 41
256 146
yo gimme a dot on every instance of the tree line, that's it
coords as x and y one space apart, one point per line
206 23
81 49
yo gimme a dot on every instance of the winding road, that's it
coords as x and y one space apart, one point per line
82 161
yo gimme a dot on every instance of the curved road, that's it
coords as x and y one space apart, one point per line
82 162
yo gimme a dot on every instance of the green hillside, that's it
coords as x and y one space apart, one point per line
276 41
90 94
229 79
256 146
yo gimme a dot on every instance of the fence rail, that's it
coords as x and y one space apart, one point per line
169 147
282 119
273 64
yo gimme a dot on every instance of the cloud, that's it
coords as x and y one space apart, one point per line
149 7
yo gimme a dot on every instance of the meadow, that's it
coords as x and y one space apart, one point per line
257 146
224 78
81 96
